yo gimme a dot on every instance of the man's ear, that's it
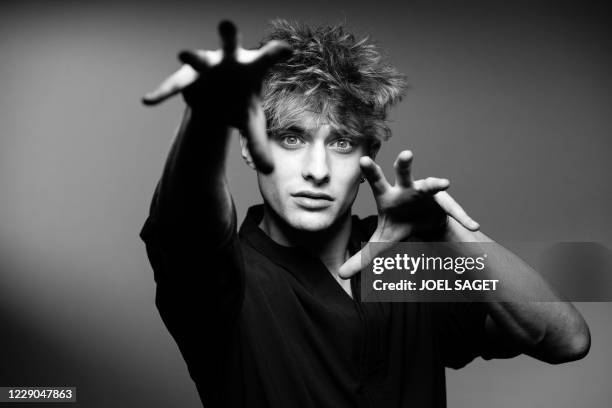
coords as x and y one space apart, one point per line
246 154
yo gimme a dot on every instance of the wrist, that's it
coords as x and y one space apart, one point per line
201 118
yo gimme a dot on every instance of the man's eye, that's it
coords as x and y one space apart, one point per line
343 145
291 141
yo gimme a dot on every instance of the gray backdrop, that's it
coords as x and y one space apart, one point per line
511 102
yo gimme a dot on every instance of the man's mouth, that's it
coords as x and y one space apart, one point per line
313 195
312 200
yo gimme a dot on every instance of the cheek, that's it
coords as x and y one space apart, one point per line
285 162
287 168
269 186
349 174
273 186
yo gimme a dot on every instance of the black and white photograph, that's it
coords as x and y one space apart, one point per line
306 204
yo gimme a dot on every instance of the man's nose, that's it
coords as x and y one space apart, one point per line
316 166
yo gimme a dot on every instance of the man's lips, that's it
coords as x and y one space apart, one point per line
313 195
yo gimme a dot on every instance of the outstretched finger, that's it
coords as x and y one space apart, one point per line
199 60
172 85
431 185
229 37
362 258
257 139
453 209
403 169
374 174
271 53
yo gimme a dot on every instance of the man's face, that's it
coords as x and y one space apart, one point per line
316 174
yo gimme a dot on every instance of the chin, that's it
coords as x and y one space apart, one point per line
311 221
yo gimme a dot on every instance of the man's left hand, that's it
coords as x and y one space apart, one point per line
417 208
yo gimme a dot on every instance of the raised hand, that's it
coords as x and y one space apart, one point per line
227 83
408 208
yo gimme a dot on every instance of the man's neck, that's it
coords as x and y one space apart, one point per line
329 245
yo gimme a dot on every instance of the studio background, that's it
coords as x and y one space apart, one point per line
511 102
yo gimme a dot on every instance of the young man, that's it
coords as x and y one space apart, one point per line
272 317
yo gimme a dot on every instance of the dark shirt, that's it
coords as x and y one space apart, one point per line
263 325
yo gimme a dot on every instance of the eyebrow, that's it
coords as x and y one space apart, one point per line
296 129
335 133
292 129
346 135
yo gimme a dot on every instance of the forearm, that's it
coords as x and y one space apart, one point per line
193 186
553 330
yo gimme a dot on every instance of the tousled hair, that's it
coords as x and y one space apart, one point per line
344 81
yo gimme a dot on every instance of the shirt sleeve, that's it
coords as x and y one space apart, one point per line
199 284
459 330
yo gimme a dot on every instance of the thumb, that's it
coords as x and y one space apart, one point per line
356 262
364 257
351 266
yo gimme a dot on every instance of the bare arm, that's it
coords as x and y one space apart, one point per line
553 331
550 331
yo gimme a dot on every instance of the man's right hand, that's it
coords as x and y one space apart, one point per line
226 84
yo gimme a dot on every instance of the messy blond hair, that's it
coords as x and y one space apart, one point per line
344 81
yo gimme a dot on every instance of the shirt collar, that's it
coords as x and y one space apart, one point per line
306 268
